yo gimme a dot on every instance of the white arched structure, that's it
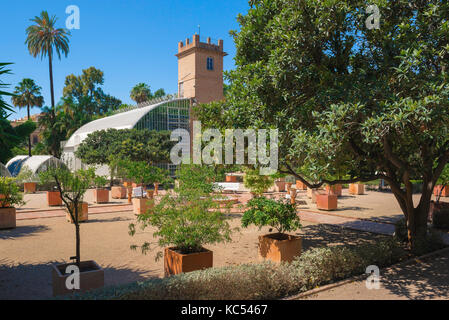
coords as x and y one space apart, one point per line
34 163
169 114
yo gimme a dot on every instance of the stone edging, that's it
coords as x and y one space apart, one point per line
360 277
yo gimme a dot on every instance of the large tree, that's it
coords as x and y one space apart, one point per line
44 39
141 92
351 102
28 94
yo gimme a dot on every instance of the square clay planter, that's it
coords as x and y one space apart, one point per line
230 178
54 198
101 195
356 188
7 218
300 185
91 277
288 186
444 193
141 205
29 187
83 213
175 262
279 247
335 189
279 186
326 202
118 192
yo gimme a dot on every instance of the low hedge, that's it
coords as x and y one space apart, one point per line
315 267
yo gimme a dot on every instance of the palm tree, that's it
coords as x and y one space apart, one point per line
3 105
141 93
42 39
28 94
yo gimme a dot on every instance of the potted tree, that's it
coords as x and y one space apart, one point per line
256 183
278 215
186 220
10 196
53 194
142 173
72 187
26 176
335 189
117 191
300 185
101 194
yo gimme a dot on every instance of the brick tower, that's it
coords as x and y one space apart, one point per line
200 70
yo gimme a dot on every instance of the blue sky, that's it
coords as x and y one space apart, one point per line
131 41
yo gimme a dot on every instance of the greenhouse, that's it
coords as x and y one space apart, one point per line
161 114
4 172
34 163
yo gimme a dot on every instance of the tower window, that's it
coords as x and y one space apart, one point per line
181 90
210 63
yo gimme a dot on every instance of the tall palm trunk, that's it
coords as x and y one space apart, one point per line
53 148
29 137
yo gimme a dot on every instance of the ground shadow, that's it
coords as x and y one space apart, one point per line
22 231
115 219
420 280
30 281
322 235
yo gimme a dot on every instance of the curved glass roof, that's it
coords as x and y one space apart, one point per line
35 163
124 120
4 172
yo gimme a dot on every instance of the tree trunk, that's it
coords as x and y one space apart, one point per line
29 137
77 230
54 148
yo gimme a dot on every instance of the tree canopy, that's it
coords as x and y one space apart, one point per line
351 103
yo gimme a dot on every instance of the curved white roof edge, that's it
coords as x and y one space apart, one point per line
34 163
124 120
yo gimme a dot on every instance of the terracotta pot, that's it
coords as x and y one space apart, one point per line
300 185
279 186
356 188
444 193
279 247
439 214
230 178
156 189
150 194
175 262
29 187
83 213
101 195
293 196
335 189
118 192
91 277
54 198
288 186
7 218
127 184
141 205
326 201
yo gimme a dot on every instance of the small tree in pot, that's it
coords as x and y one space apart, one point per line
101 194
280 215
27 177
257 183
186 220
72 187
10 196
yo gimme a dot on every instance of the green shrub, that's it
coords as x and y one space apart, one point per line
315 267
278 214
400 230
258 184
10 193
188 218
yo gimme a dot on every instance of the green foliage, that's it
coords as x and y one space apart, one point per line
26 175
142 172
347 100
4 107
100 181
12 137
100 147
278 214
315 267
188 218
10 193
141 92
258 184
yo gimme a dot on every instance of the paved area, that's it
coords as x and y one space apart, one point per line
28 251
419 280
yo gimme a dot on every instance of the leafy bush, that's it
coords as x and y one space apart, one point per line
278 214
100 182
315 267
255 182
143 173
25 175
188 218
10 194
